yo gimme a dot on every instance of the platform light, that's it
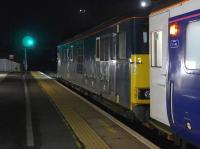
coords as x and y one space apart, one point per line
174 29
143 4
28 41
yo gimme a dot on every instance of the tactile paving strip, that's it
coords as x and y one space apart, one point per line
84 132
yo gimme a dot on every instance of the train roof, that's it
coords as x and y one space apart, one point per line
166 5
110 23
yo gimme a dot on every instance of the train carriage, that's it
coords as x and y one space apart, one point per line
111 61
175 68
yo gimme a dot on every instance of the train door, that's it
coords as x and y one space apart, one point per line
158 71
104 64
112 70
108 65
184 74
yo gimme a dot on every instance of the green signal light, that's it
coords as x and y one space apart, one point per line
28 42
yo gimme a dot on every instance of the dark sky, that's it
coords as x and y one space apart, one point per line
53 21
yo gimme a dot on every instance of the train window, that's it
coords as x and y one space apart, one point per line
141 37
80 58
193 45
98 49
145 37
65 54
70 53
122 45
156 51
105 48
113 47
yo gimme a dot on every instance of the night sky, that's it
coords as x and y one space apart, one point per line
51 22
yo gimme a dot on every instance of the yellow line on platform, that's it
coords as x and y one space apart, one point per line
81 128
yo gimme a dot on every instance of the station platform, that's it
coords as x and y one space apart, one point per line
42 128
94 128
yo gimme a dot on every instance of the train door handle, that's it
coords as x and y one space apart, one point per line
172 101
164 74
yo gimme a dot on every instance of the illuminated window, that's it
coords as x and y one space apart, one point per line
156 51
193 45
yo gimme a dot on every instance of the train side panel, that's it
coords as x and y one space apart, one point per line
109 76
158 27
182 79
183 98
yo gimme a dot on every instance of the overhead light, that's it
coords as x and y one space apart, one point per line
143 4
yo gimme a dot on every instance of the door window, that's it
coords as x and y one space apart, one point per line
193 45
156 52
105 46
98 49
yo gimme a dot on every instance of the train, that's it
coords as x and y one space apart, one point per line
109 61
149 66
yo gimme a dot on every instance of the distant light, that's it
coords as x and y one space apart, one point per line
28 41
11 57
144 4
82 11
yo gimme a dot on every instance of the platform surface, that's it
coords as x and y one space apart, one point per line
93 129
49 129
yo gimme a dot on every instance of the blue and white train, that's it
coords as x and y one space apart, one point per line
175 68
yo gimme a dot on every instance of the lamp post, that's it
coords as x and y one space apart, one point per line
28 42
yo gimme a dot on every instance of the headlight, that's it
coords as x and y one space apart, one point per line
147 94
